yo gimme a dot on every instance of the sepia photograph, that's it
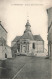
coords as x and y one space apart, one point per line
25 39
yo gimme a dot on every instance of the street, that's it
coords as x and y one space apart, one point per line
23 67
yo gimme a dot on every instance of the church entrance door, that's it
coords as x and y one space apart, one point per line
23 49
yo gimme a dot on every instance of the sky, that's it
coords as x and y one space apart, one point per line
13 16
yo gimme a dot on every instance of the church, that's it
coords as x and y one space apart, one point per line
27 44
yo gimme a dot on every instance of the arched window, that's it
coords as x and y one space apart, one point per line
33 45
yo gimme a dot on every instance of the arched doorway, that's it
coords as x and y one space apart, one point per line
5 55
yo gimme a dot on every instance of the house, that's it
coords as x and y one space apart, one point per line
49 12
28 43
4 49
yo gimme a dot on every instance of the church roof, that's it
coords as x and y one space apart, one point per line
28 36
37 38
16 38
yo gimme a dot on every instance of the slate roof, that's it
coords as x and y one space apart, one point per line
28 36
37 38
16 38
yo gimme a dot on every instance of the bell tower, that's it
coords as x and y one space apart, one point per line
27 27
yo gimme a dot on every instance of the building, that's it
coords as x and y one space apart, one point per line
49 11
4 53
8 51
28 43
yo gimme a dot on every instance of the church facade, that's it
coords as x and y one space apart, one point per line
28 43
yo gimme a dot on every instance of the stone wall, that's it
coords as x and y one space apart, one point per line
39 46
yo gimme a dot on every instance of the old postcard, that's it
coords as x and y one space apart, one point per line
25 39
